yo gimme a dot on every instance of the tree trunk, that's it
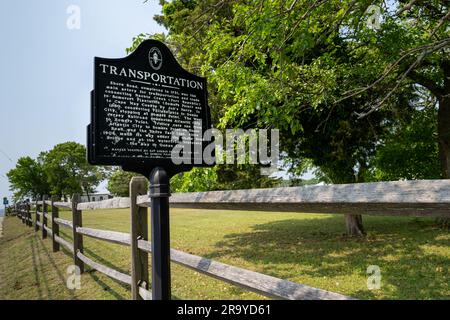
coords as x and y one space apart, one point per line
354 225
354 222
444 132
444 125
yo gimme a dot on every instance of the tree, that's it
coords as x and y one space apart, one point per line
279 64
68 172
28 179
269 67
119 182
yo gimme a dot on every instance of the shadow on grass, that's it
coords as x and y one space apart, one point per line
106 287
108 264
316 248
56 268
39 254
34 253
94 277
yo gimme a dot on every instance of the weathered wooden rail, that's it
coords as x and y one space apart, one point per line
403 198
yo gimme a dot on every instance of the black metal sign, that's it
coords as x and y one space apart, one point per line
141 106
138 102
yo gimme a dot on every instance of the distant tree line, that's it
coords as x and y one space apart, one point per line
61 171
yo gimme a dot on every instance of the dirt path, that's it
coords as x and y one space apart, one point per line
1 227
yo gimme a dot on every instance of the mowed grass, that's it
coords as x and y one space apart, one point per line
413 255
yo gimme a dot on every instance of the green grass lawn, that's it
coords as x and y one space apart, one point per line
412 253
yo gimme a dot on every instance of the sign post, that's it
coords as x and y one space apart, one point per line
5 203
141 107
159 194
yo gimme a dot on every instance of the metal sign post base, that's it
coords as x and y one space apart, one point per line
159 194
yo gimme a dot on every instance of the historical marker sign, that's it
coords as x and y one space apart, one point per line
5 201
136 104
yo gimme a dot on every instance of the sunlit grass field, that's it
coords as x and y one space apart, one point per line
413 255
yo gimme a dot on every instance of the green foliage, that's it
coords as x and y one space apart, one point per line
221 177
314 70
28 178
119 183
137 40
62 171
68 171
246 176
409 150
270 67
196 180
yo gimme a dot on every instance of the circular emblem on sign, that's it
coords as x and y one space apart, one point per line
155 58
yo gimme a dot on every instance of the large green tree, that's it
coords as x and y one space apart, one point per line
269 67
329 74
28 179
68 171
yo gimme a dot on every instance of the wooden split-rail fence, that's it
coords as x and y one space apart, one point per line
401 198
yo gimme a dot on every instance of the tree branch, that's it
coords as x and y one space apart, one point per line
407 7
440 24
422 50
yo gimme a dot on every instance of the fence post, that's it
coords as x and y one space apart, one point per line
77 221
23 213
139 231
55 226
36 220
29 222
44 217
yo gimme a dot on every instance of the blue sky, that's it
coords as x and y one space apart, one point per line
47 69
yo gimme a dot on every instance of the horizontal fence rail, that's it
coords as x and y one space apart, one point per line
110 236
260 283
114 203
64 243
401 198
124 278
49 231
145 294
63 205
256 282
64 223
